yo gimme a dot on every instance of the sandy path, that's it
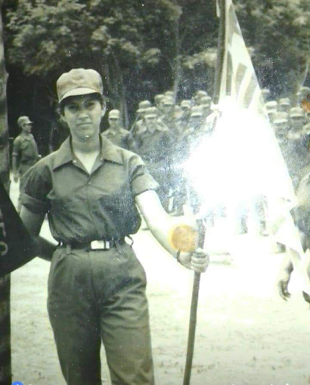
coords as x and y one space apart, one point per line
245 334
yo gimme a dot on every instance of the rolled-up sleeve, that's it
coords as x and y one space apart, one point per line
37 186
140 179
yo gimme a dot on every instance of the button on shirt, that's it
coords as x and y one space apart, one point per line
84 207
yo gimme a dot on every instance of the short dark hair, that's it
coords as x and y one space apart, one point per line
94 96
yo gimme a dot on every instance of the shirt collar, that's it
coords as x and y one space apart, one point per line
108 152
26 137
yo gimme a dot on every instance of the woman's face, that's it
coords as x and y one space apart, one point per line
83 115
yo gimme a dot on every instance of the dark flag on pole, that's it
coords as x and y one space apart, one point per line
16 244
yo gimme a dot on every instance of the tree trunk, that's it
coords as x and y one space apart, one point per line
121 92
177 68
5 326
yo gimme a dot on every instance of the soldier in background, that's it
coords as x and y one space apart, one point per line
297 119
284 105
160 124
117 134
301 212
25 153
271 108
205 104
168 112
186 106
266 94
196 124
296 155
154 144
191 131
158 102
169 94
281 128
140 116
177 114
198 96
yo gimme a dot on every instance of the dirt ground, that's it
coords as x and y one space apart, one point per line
245 333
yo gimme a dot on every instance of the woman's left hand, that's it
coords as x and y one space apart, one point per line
197 261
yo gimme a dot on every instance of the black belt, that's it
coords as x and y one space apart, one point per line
93 245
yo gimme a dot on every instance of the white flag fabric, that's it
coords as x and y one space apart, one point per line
243 158
251 134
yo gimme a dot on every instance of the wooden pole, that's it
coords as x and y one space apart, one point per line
192 330
195 292
5 282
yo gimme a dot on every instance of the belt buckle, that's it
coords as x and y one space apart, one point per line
103 245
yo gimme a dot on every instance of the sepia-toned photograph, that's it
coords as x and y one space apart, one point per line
154 192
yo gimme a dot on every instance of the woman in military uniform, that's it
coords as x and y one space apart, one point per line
90 190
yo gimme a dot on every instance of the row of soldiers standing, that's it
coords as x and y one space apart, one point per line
291 123
164 135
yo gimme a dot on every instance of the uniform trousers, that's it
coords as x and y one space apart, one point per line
95 296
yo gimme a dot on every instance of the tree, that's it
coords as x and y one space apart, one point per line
279 32
48 38
142 48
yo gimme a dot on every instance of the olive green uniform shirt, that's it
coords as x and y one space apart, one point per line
84 207
121 138
26 151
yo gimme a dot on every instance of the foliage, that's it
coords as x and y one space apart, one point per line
47 35
279 32
142 48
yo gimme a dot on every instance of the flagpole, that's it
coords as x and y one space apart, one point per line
220 52
195 292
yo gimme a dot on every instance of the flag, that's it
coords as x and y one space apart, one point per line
239 80
16 245
242 158
250 138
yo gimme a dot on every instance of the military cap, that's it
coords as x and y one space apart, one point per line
151 112
196 111
265 92
114 114
271 105
284 102
159 97
143 105
305 90
297 112
280 117
22 120
168 100
186 103
271 114
206 100
201 93
178 113
169 93
79 81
